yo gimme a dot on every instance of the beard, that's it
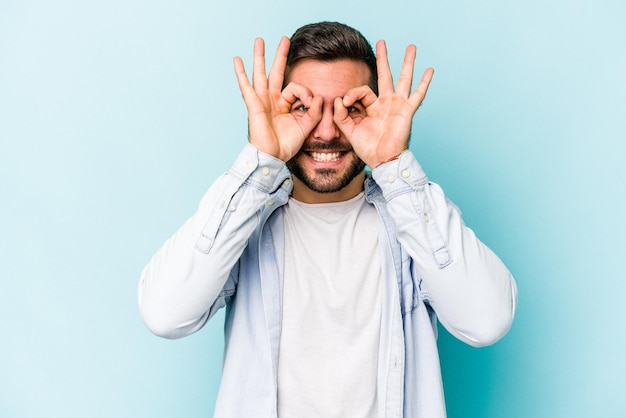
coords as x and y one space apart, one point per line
326 180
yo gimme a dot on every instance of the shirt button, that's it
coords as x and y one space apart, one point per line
390 178
286 183
265 171
232 207
406 173
250 164
270 203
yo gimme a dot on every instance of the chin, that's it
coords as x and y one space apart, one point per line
326 180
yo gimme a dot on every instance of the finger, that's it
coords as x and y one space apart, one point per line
295 91
247 91
242 78
419 94
259 76
313 116
364 94
406 73
385 79
342 118
277 73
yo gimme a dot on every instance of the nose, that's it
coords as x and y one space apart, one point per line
326 129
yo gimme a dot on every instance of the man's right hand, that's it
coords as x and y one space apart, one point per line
272 127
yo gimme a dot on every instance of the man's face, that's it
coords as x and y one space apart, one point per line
326 169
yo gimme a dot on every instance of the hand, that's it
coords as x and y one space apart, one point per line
384 132
272 128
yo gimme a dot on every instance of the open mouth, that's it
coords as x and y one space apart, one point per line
325 157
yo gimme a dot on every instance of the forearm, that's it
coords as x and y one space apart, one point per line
188 273
468 286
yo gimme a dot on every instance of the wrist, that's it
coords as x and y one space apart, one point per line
390 159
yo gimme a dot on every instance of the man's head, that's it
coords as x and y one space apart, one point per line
329 59
331 41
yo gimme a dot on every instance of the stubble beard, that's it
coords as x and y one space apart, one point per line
326 180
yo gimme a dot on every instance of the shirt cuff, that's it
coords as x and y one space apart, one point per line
400 176
259 170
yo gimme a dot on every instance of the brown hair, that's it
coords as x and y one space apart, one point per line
330 41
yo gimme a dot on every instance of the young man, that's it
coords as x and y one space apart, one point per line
332 278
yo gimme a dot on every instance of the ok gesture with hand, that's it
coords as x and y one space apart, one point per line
272 127
384 132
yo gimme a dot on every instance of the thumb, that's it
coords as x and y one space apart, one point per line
312 116
342 119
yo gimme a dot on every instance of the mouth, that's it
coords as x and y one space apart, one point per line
325 157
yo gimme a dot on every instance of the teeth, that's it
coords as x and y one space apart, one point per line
325 156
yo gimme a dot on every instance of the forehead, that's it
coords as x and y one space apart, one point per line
329 78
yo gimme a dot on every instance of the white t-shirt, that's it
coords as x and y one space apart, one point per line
328 359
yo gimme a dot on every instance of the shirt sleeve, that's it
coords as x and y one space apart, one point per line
189 273
472 292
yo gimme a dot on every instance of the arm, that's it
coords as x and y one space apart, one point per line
194 272
470 289
468 286
178 289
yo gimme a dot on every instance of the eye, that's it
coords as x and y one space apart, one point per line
357 109
299 108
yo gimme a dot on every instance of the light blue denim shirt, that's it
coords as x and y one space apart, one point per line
231 254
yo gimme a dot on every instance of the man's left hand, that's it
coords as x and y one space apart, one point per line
384 132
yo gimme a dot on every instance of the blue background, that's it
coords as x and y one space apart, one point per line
116 116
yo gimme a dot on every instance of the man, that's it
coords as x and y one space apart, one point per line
332 278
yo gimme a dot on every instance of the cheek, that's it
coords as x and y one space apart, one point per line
357 118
